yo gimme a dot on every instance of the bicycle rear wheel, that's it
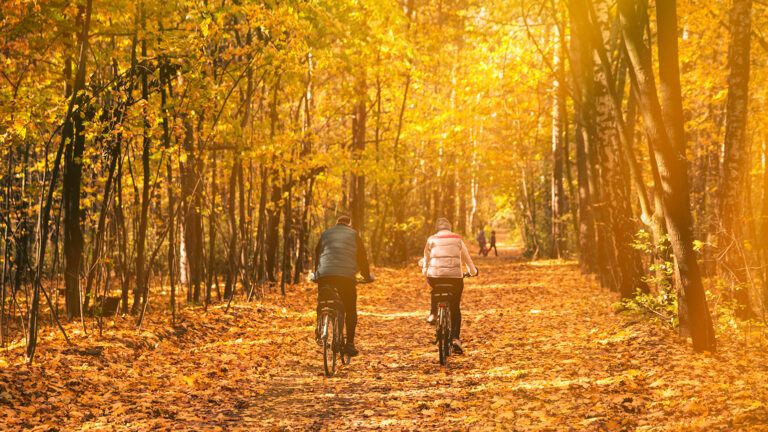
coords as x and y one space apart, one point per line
329 352
444 338
345 357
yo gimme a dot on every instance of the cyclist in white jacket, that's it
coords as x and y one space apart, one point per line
445 256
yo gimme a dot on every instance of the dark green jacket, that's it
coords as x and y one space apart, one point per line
340 252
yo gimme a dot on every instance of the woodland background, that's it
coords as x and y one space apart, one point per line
157 154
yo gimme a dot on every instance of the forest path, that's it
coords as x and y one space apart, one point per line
543 351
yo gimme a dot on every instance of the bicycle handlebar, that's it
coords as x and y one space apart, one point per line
358 280
469 275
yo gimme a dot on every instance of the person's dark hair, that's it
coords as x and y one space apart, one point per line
344 220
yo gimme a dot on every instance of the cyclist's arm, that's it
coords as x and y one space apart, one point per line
318 251
467 259
362 259
425 259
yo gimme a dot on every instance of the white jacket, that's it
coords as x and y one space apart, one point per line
445 254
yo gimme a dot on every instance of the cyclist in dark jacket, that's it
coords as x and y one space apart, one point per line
339 255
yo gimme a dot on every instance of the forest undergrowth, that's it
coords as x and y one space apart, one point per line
544 350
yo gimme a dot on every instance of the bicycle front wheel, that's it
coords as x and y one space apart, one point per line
329 353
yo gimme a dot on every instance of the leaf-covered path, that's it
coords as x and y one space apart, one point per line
544 351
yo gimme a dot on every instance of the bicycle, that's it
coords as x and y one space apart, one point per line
443 332
331 331
331 323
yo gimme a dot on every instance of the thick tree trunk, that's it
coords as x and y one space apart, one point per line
74 134
671 164
613 139
582 66
733 213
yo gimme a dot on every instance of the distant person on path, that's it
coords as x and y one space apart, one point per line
339 255
481 242
493 244
445 256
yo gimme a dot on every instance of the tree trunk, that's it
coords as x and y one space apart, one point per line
582 66
733 213
672 168
211 232
272 237
191 184
166 91
558 237
232 261
74 132
67 131
285 275
357 177
140 290
261 227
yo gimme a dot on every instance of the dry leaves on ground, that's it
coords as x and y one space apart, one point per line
543 351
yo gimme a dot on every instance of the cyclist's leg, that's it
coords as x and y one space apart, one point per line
458 289
432 298
324 293
348 294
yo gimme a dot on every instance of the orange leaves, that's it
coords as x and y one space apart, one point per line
574 366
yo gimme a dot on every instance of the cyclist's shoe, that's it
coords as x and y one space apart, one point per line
351 350
457 347
431 319
318 338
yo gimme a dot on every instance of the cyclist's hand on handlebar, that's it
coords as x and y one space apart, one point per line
366 279
468 274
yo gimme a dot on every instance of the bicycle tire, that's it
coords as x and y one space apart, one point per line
345 357
449 339
442 337
329 354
